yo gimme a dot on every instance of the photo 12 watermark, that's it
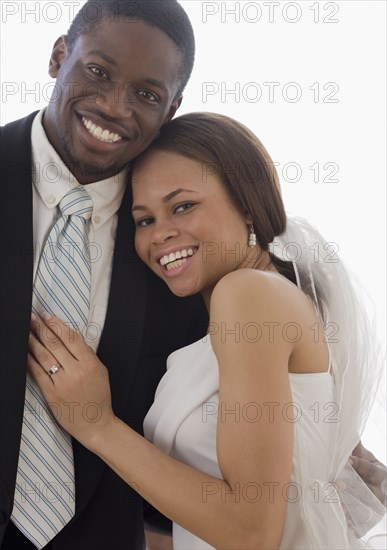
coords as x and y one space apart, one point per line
270 411
268 492
270 92
271 12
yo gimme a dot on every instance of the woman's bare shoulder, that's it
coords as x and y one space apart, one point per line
251 288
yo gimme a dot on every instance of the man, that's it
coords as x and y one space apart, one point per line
120 73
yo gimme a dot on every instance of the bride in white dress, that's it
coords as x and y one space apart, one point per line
252 426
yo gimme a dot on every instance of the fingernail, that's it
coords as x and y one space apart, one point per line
33 316
47 316
350 461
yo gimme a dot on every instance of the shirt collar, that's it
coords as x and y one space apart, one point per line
53 180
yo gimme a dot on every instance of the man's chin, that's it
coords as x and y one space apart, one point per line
88 172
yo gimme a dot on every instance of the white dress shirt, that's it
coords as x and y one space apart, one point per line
51 181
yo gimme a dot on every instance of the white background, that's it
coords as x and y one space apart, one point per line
327 109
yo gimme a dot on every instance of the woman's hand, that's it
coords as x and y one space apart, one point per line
72 379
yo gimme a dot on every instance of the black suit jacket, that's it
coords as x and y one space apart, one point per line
144 323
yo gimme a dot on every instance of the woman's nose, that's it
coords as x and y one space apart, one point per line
163 231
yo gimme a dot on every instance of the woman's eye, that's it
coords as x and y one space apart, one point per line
184 206
150 96
99 72
143 222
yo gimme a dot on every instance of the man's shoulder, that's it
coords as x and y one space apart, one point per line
15 140
22 124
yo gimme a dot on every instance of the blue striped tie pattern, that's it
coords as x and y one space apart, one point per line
45 491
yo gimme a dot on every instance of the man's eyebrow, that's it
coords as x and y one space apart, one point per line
153 82
104 56
165 199
147 80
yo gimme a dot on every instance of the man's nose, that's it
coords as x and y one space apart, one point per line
117 101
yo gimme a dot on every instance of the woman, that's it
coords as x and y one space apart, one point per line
254 422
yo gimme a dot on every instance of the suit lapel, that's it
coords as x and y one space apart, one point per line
16 269
120 342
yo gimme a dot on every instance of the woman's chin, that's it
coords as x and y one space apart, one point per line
182 292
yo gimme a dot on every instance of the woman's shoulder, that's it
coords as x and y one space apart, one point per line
269 306
251 287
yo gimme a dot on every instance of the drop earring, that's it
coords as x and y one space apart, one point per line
252 237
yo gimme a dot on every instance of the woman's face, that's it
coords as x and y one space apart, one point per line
187 229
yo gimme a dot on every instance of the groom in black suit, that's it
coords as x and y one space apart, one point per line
120 73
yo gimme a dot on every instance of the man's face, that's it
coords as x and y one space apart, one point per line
114 91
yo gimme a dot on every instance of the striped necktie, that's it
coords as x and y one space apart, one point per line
45 491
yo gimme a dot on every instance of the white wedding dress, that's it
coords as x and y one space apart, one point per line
183 421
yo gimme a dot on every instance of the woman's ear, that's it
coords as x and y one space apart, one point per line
248 219
59 53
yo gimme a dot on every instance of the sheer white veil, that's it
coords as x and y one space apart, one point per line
356 357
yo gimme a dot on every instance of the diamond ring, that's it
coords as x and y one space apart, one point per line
53 370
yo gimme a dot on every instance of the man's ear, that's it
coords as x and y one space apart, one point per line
173 108
59 53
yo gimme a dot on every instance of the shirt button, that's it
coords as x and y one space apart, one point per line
96 219
50 199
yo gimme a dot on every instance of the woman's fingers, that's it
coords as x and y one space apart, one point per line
42 378
59 338
47 387
43 372
77 390
50 360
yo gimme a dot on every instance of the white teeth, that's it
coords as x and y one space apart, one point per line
176 257
177 263
100 133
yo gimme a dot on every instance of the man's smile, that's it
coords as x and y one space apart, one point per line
102 134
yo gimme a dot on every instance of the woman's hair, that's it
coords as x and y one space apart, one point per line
229 150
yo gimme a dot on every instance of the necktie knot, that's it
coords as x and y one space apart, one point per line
77 202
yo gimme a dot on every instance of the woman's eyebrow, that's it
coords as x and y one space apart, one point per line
165 199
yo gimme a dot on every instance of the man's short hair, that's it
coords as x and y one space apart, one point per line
166 15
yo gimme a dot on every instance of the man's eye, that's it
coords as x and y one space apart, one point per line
143 222
150 96
184 206
99 72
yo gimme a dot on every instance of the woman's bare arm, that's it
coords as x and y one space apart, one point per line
254 455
